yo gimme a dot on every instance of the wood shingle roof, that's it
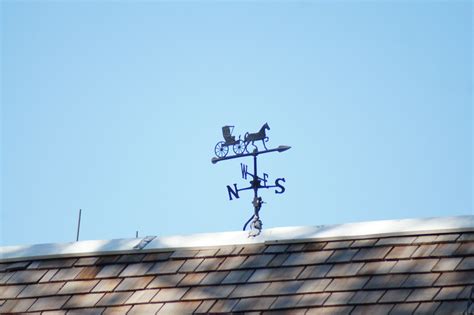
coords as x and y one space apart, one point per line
413 273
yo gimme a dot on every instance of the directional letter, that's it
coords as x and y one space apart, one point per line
243 167
277 183
265 179
234 192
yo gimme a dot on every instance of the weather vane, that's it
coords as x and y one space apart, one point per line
240 148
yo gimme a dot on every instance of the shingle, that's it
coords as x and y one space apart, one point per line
49 303
249 290
26 276
330 310
58 312
252 249
342 255
287 273
74 287
385 281
307 258
396 240
84 300
376 268
344 284
157 256
379 309
16 306
104 260
444 250
420 280
371 253
135 283
142 296
339 298
423 295
10 291
205 306
164 267
48 275
171 294
314 299
106 285
283 287
192 279
166 281
345 269
447 264
424 251
210 264
455 278
364 243
397 295
184 253
110 271
276 248
447 237
425 239
85 311
278 260
466 293
210 252
317 271
254 304
67 274
227 250
145 309
15 266
299 247
289 301
427 308
114 298
215 277
232 262
190 265
209 292
117 310
466 264
257 261
366 297
312 286
238 276
86 261
128 259
465 249
138 269
88 273
404 309
224 306
312 246
414 265
179 308
448 293
52 263
466 237
338 244
452 307
400 252
4 277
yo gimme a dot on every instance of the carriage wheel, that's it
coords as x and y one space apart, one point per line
221 149
239 147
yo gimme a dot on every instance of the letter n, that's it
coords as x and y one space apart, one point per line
233 192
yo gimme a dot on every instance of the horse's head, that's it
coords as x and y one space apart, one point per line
266 126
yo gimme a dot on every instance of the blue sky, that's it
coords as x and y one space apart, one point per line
115 107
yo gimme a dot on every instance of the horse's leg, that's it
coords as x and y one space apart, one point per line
255 147
263 141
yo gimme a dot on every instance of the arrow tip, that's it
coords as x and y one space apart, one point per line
283 148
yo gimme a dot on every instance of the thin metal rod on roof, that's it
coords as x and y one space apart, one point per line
136 234
78 225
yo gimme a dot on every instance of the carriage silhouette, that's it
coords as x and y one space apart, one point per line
239 146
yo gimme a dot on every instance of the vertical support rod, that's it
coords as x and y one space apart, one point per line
78 225
256 184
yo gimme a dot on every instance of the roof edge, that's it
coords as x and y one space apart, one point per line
357 230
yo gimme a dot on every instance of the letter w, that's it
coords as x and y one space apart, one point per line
243 167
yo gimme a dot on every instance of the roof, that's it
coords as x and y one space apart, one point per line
417 266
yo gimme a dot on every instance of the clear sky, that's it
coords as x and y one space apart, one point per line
115 107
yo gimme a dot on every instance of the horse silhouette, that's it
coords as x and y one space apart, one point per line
260 135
